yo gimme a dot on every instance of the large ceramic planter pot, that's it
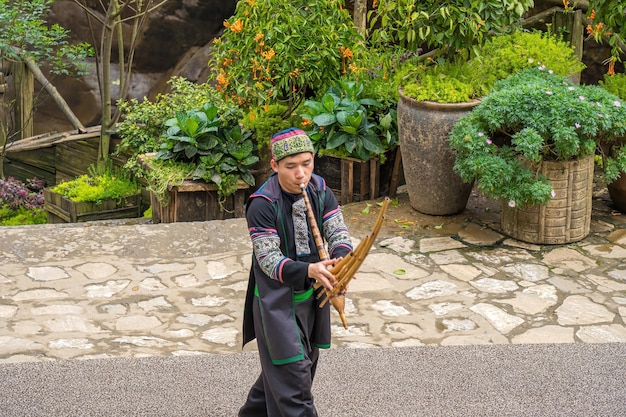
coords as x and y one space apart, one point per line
567 217
423 130
617 192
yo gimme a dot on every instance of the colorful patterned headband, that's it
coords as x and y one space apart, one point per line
290 142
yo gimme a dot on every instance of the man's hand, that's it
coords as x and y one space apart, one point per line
319 271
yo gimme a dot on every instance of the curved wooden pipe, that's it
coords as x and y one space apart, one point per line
346 268
338 300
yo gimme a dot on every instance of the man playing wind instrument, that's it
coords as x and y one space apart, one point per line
281 310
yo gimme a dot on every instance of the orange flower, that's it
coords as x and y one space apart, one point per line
226 24
306 122
268 55
611 70
221 79
345 52
258 36
375 4
251 2
593 14
589 30
565 4
237 26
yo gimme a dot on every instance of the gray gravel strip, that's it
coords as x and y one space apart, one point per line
481 380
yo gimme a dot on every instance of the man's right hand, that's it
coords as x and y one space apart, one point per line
320 272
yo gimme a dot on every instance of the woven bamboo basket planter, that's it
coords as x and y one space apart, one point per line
567 217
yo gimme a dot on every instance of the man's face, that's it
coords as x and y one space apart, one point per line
294 170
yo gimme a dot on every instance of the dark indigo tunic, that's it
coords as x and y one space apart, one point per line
283 248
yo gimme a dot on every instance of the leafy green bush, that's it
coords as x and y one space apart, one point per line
454 27
100 183
221 153
144 121
505 55
342 122
459 80
530 117
284 50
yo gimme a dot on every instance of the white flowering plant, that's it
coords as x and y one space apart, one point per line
536 116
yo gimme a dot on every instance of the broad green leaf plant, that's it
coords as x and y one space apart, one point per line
218 152
343 123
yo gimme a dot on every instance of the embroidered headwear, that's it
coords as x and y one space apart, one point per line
290 142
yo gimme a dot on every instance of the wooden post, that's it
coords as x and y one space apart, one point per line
24 90
360 16
570 26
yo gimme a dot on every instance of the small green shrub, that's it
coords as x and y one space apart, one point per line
461 80
97 185
221 153
614 84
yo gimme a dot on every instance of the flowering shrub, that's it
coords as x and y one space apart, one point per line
608 20
284 50
21 203
530 117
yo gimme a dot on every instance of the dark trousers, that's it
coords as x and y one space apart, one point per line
283 390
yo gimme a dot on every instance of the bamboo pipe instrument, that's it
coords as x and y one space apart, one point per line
345 269
337 301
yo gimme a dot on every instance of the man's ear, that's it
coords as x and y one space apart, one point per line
274 165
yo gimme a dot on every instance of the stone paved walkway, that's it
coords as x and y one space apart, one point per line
134 289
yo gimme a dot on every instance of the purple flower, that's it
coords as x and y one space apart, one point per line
489 142
553 193
512 203
578 125
617 103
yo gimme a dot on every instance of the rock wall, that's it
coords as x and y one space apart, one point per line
176 40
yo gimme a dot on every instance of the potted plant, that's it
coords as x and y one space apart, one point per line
452 33
105 192
351 139
201 152
444 91
614 152
531 143
143 131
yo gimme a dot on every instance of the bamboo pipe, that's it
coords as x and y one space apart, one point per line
347 267
338 301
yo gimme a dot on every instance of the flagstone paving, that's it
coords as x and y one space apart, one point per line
132 289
